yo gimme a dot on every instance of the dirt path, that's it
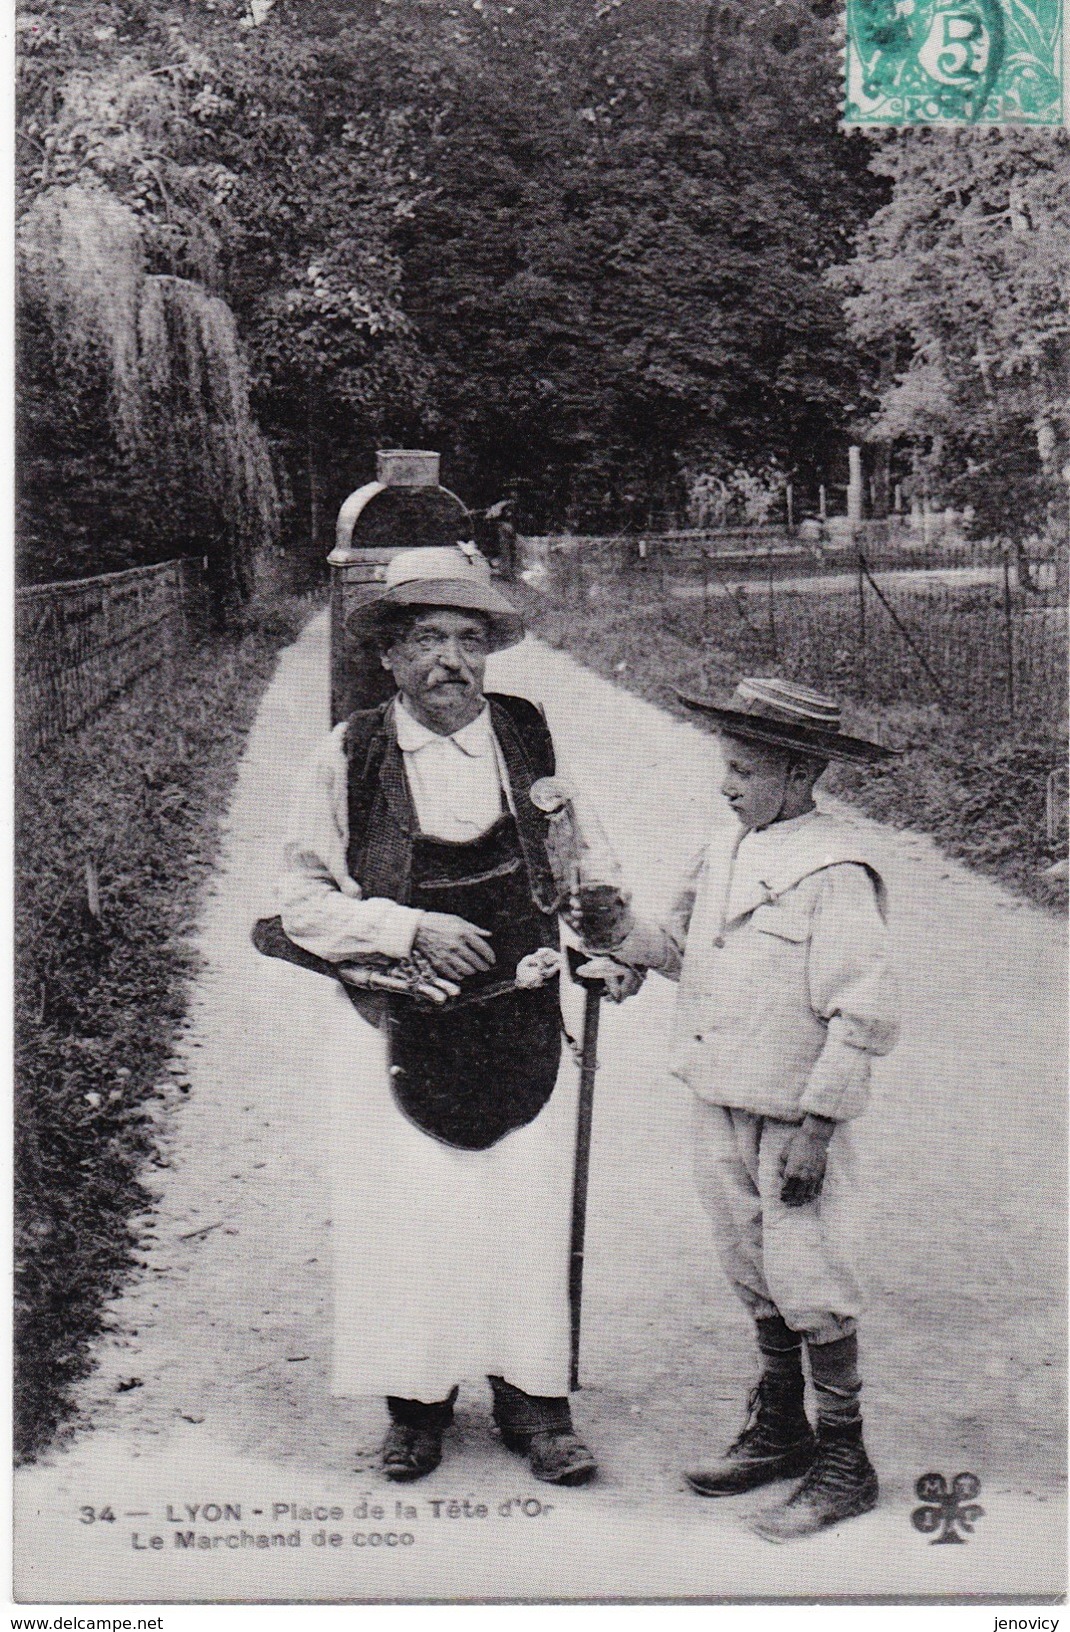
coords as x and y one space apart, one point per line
213 1385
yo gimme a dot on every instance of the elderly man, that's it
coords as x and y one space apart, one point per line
415 837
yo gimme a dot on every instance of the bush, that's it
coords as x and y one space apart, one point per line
973 782
116 830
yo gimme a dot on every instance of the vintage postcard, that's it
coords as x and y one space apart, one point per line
541 783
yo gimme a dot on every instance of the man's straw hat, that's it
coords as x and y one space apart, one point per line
780 714
450 575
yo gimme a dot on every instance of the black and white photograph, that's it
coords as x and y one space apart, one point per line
540 779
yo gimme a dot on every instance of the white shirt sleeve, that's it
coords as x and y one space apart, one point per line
322 907
852 987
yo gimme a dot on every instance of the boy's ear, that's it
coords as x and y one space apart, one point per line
807 770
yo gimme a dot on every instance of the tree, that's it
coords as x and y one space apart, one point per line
578 246
133 381
959 286
618 276
322 169
255 164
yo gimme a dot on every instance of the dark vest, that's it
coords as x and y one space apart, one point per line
382 819
487 1065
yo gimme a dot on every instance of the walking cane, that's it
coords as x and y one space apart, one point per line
598 909
592 1008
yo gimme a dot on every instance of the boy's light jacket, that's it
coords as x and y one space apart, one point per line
780 945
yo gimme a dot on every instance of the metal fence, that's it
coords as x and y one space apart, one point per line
876 617
772 549
81 644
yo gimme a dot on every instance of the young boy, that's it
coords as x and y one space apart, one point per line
779 943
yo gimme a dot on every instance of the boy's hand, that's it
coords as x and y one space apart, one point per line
619 980
803 1161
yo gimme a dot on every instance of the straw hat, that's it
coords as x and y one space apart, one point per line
780 714
450 575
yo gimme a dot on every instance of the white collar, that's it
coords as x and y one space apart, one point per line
474 739
778 831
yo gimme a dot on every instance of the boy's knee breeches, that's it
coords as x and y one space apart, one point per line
792 1261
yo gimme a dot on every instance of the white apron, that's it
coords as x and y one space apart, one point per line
447 1264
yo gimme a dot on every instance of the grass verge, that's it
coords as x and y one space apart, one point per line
117 829
979 792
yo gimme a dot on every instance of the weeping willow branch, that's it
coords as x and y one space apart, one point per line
174 368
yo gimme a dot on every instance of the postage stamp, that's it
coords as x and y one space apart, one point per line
957 62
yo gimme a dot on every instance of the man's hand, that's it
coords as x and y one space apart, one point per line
538 969
619 979
803 1161
453 946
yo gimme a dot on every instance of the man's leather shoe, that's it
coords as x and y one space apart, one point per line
410 1453
560 1458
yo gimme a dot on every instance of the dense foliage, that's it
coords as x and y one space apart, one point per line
616 277
146 374
959 292
583 248
579 247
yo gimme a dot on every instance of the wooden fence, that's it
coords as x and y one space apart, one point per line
81 644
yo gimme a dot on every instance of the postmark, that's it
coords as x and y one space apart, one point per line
955 62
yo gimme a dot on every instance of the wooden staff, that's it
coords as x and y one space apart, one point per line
553 796
592 1003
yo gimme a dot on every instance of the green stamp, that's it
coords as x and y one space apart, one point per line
955 62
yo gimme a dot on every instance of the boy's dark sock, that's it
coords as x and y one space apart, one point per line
837 1385
782 1387
780 1348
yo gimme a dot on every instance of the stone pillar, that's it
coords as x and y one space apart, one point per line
854 486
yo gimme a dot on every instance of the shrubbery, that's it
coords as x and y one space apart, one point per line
117 828
979 792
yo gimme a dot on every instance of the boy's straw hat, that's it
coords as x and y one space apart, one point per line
781 714
449 575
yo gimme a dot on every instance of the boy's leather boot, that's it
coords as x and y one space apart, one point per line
777 1441
840 1484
